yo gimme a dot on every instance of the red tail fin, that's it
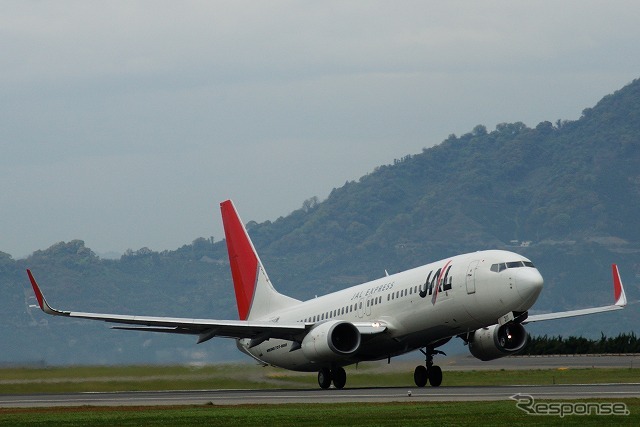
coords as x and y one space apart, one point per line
255 296
242 256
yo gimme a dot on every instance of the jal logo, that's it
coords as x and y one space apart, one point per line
436 282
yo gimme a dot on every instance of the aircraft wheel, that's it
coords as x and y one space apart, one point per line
420 376
324 378
435 376
339 377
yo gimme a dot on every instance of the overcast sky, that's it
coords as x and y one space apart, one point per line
124 124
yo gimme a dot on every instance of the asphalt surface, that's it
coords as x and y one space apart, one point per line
382 394
396 394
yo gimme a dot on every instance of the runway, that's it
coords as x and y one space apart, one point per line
398 394
377 394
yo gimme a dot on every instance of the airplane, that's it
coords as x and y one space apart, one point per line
481 297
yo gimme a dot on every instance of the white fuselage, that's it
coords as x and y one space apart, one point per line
473 291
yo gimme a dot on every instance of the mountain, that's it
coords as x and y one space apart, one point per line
564 194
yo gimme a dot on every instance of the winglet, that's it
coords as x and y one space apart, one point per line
618 289
42 302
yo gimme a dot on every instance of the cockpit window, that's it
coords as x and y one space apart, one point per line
498 267
514 264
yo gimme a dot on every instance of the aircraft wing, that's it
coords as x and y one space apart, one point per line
205 328
619 296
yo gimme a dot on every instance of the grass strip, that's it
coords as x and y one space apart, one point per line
355 414
144 378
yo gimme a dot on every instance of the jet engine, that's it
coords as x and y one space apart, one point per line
331 340
497 341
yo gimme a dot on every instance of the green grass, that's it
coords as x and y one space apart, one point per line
242 376
392 414
57 380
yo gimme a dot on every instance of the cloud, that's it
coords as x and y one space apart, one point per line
122 118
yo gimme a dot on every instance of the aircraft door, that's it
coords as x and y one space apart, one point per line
471 277
368 306
361 307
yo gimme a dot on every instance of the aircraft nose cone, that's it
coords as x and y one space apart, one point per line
529 283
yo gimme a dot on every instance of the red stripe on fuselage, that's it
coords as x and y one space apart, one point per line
243 260
435 292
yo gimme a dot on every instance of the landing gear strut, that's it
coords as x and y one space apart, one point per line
431 373
335 374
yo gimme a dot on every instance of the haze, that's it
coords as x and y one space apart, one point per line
125 123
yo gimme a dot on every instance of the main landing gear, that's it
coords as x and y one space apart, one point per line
430 372
335 374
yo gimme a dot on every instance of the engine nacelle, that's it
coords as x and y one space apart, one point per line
497 341
331 340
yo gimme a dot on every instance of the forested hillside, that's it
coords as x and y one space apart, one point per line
565 194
